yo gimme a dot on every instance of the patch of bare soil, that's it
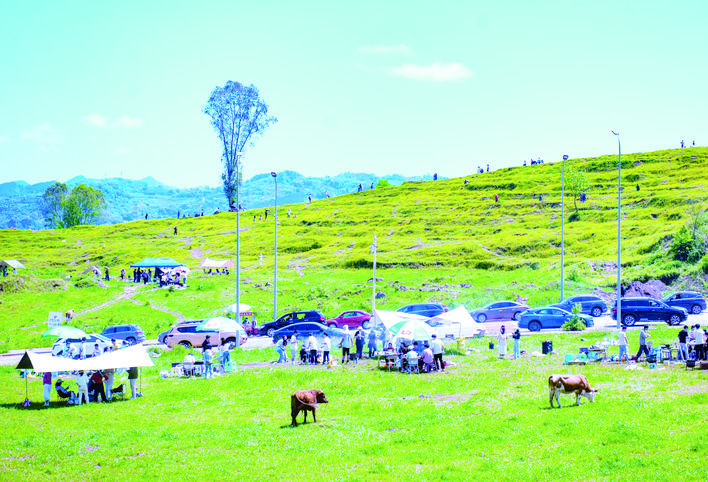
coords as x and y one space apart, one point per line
128 292
390 233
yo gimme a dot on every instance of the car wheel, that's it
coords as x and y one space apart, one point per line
515 316
131 340
185 344
629 320
332 325
534 326
481 318
230 339
696 309
366 325
270 332
674 320
597 311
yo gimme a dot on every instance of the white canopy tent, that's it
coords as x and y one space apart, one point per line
132 356
457 323
215 263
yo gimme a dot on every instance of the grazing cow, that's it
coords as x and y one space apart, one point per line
306 400
69 315
577 384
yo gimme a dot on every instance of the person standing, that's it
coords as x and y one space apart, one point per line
359 341
372 343
622 343
98 388
82 384
293 347
427 358
346 343
683 346
643 336
122 274
312 347
206 345
208 357
47 387
280 349
224 355
326 348
132 379
110 377
699 343
108 277
501 342
83 349
438 348
517 341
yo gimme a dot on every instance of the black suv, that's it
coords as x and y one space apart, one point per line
131 333
648 309
424 309
693 301
589 304
288 319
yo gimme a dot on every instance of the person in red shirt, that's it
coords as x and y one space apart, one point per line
97 385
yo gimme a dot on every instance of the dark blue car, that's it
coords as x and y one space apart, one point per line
693 301
306 329
589 304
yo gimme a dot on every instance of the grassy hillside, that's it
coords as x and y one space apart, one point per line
445 241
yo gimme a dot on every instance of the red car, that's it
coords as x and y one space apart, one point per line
353 319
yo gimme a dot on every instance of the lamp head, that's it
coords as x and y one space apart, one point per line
615 133
274 174
565 157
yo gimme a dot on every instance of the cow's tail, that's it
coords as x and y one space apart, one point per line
305 403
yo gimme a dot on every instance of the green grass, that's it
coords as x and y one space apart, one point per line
482 418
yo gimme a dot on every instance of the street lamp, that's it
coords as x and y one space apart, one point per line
565 158
275 258
619 231
373 284
238 239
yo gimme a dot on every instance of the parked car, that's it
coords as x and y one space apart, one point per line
353 319
187 335
74 344
589 304
424 309
649 309
499 310
288 319
305 329
454 329
131 333
693 301
546 317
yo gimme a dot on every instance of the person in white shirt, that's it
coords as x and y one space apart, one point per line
97 350
501 342
294 347
438 349
82 383
622 343
312 346
83 349
326 348
188 364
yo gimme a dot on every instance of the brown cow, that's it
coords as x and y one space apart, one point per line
306 400
577 384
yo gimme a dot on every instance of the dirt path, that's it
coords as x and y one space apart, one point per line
128 292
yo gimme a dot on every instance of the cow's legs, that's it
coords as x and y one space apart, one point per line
305 419
550 396
558 398
314 418
294 414
577 398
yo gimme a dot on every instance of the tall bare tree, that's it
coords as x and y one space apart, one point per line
240 117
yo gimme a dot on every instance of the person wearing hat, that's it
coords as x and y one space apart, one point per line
64 393
206 345
82 383
438 349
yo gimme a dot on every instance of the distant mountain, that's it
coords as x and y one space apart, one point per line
130 199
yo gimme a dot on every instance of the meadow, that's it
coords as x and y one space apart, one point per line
482 417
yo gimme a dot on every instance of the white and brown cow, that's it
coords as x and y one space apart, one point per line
577 384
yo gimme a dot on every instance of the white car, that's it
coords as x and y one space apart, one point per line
59 346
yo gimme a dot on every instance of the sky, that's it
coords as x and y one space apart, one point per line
106 89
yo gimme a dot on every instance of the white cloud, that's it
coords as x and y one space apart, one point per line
43 133
450 72
123 150
4 139
123 122
384 49
128 122
96 120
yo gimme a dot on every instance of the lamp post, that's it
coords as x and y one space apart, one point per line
238 239
619 230
373 285
565 158
275 258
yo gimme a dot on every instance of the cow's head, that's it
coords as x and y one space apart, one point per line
321 398
590 393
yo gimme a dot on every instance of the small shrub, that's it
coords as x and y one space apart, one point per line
383 183
574 217
575 323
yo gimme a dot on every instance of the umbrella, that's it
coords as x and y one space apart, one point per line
181 269
222 324
65 331
410 330
242 308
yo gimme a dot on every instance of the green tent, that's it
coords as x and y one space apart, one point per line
157 263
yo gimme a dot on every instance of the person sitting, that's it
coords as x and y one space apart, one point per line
188 365
411 359
97 350
63 392
427 358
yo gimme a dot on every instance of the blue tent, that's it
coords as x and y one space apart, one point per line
157 263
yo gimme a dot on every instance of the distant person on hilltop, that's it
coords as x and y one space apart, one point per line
360 188
681 143
372 186
524 162
496 198
435 176
266 215
146 216
487 167
326 195
290 211
637 187
309 198
175 231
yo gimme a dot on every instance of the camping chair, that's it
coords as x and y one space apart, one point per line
569 357
118 391
177 370
582 357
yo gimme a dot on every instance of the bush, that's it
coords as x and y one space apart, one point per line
575 323
687 248
574 217
383 183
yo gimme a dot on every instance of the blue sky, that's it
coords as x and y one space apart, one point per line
405 87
